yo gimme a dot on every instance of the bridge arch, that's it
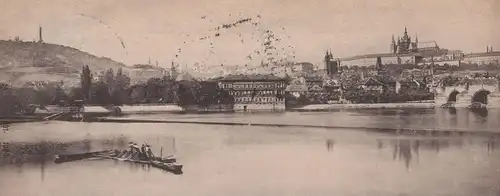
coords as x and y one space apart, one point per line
452 97
481 96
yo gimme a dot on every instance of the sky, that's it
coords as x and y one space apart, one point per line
157 29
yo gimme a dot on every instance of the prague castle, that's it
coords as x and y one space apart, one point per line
405 51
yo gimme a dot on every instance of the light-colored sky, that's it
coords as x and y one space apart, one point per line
157 28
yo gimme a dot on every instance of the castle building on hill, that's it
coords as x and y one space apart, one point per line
403 51
404 44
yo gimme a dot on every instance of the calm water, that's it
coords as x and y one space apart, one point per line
247 160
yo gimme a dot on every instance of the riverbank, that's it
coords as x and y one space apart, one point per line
327 107
93 110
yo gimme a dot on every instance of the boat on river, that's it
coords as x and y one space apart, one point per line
167 164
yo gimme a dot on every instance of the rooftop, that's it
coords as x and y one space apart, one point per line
482 54
251 77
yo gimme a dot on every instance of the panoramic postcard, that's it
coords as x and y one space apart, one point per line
256 97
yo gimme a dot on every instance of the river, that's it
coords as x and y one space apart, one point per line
251 160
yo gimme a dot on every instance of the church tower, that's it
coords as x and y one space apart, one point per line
331 65
326 61
173 72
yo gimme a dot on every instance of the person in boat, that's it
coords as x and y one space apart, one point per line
149 152
131 146
126 153
143 150
122 154
134 149
144 154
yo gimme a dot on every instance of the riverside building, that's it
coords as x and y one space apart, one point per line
256 91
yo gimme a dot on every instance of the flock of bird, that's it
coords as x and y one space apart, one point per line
271 51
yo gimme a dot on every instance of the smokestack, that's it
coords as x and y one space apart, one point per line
40 38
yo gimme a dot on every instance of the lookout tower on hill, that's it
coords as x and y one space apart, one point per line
40 37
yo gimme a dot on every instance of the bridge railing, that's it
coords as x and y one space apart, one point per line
466 81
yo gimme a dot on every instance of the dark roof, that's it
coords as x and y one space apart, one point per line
379 55
367 56
251 77
216 79
497 53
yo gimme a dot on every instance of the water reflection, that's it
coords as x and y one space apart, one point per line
481 113
452 110
407 149
491 145
329 144
380 144
19 153
5 128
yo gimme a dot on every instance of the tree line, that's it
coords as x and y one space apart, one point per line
116 89
111 89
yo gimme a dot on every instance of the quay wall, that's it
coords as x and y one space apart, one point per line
158 109
326 107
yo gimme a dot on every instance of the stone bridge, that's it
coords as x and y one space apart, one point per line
477 92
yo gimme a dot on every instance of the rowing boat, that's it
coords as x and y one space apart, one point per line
167 164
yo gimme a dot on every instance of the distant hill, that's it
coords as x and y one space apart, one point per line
32 61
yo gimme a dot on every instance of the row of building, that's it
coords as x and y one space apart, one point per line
267 91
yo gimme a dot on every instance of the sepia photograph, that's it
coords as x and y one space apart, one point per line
253 98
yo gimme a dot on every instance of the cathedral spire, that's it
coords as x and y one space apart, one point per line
393 45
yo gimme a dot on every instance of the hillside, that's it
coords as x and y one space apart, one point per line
31 61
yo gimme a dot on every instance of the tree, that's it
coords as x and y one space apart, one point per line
109 79
76 94
118 86
86 82
154 88
185 95
59 96
137 93
100 94
10 103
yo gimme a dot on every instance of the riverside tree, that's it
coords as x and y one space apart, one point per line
86 82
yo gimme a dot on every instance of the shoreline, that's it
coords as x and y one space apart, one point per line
93 111
327 107
157 109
